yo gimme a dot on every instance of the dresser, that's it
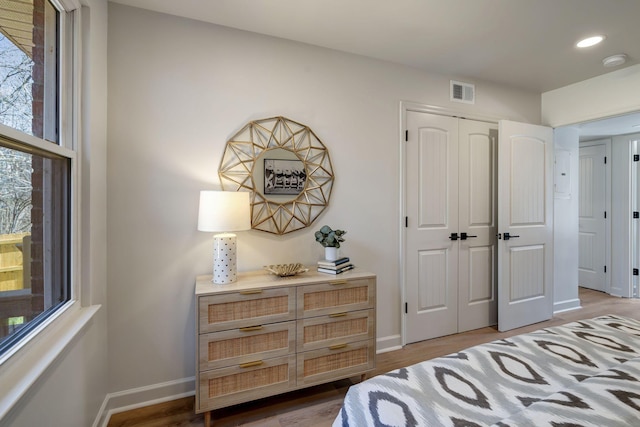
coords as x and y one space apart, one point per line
265 335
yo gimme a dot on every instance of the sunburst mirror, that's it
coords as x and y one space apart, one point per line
287 169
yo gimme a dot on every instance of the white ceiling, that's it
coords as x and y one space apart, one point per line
526 44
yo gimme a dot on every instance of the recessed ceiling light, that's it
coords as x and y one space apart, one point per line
590 41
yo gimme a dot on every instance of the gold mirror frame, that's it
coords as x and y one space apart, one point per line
241 157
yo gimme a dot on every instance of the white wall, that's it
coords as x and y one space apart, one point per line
565 223
611 94
72 389
178 89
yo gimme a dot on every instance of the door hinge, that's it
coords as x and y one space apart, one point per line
635 271
406 222
636 157
636 214
406 135
605 160
406 308
605 268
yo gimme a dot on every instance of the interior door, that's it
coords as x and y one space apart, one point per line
525 224
451 189
432 209
477 290
592 222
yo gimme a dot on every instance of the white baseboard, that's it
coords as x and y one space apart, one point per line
388 343
163 392
143 396
567 305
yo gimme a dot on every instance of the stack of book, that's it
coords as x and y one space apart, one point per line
335 267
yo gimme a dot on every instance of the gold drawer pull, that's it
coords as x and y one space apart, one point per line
251 364
338 282
338 314
251 328
337 346
251 291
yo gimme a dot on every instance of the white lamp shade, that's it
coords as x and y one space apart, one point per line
224 211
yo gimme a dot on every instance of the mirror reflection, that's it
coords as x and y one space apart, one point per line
279 175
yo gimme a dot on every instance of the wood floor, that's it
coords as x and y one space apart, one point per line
318 406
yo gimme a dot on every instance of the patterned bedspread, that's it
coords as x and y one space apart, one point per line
584 373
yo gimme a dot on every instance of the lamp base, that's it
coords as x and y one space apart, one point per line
224 259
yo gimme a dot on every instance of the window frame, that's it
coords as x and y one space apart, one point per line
50 331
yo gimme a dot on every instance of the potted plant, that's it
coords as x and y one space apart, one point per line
330 240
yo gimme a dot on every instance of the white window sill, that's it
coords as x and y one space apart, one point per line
23 368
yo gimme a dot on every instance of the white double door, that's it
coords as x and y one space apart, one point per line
451 236
459 275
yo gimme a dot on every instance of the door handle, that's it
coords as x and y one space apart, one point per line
465 236
454 236
508 236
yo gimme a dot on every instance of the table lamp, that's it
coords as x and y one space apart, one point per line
224 211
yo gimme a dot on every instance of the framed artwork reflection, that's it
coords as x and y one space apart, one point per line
285 177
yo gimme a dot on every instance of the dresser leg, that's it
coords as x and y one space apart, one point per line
363 377
207 419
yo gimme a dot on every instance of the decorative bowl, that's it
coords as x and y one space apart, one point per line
285 270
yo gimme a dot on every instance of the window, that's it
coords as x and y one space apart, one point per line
35 168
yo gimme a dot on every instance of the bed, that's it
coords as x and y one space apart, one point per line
585 373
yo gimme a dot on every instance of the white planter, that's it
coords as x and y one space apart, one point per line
330 253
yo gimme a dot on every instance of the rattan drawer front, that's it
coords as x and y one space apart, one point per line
339 361
336 296
236 384
325 331
248 308
236 346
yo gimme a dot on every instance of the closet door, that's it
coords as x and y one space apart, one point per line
450 182
477 204
432 209
525 222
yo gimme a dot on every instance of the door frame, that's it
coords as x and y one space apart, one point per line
607 227
634 249
406 106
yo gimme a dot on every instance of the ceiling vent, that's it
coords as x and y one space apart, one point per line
463 92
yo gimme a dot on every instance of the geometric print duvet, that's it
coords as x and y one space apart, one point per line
584 373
